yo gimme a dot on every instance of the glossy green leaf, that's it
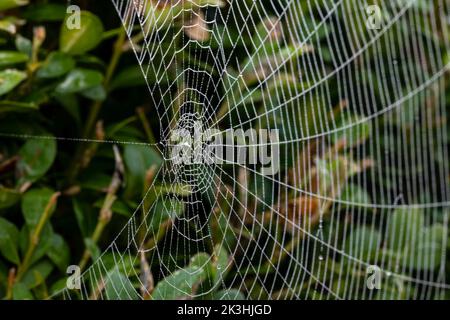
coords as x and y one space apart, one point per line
79 80
79 41
10 24
363 242
354 194
45 12
59 252
58 286
93 248
267 37
36 158
402 227
8 197
97 93
24 45
182 283
426 252
8 58
9 79
9 238
21 292
220 265
119 287
85 216
9 4
57 64
37 274
129 77
43 246
138 159
119 207
34 203
162 211
7 106
354 130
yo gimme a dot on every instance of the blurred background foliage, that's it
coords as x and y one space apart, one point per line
63 200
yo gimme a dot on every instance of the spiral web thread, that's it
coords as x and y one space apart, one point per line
296 234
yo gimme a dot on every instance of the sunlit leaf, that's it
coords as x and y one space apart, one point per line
9 4
9 238
57 64
79 80
36 158
9 79
79 41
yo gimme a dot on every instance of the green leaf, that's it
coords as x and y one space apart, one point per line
24 45
37 274
58 286
16 107
97 93
183 283
129 77
9 79
34 203
21 292
119 287
79 41
57 64
268 36
222 230
363 242
8 197
70 103
45 12
36 158
9 238
93 248
402 226
333 173
9 24
162 211
353 193
127 263
59 252
80 80
427 250
95 181
353 129
45 242
118 207
85 217
8 58
9 4
139 159
220 265
231 294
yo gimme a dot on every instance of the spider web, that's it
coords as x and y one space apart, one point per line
357 109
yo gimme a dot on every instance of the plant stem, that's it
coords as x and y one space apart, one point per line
11 280
146 125
103 220
106 211
95 109
35 236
